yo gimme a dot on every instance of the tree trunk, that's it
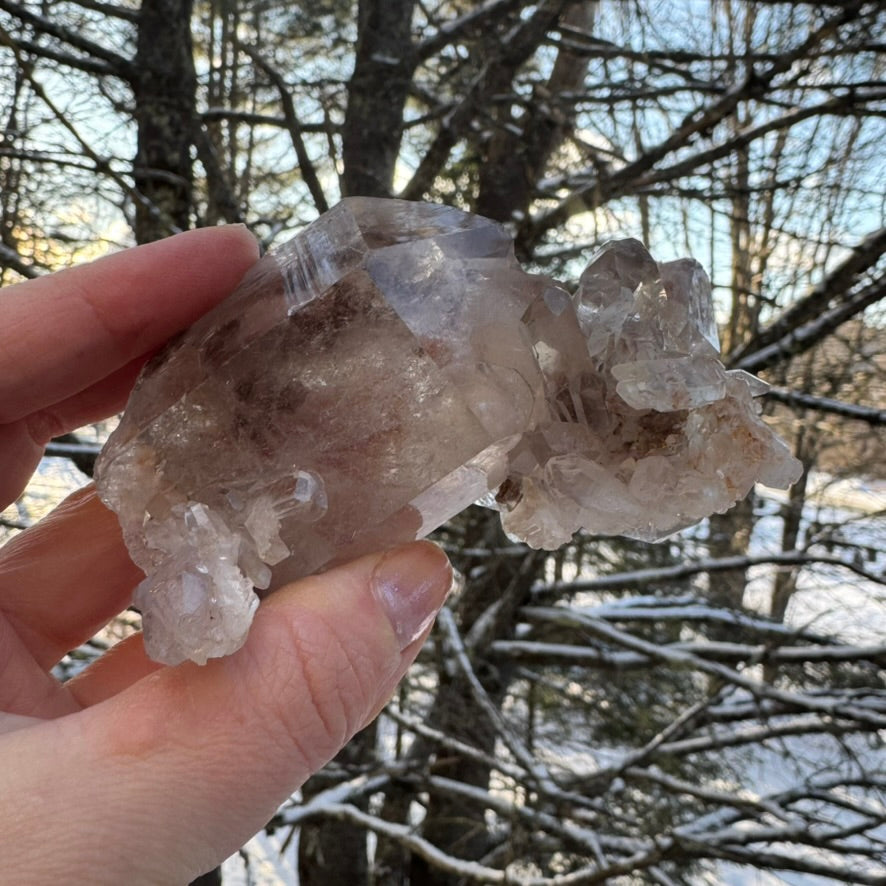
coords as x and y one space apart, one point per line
335 851
786 579
505 583
164 88
730 535
519 150
382 76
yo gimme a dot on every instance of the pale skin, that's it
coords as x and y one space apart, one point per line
134 772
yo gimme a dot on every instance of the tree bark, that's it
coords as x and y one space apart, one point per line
494 599
210 878
334 851
382 77
164 88
519 150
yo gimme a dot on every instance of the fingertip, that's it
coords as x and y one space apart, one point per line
235 242
411 583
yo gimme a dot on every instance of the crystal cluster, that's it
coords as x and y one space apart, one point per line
392 364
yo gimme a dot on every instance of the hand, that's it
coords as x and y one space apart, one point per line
133 772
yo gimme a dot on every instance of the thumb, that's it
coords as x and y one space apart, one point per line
186 764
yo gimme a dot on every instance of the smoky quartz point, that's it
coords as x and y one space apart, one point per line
390 365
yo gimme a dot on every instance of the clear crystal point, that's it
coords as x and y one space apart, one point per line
390 365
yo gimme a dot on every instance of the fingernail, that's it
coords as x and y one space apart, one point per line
411 583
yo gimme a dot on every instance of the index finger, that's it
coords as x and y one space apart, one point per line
62 333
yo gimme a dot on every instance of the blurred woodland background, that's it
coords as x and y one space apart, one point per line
705 710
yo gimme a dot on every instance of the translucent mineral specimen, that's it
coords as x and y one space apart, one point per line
392 364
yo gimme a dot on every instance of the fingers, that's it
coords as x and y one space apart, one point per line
65 332
21 454
26 689
72 343
98 401
64 578
122 665
189 762
22 442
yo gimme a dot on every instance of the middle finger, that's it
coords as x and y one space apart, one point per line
66 577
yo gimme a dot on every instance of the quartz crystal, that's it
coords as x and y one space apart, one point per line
391 364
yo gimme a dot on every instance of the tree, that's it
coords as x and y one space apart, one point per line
600 714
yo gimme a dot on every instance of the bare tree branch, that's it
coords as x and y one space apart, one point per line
869 414
483 16
110 9
81 63
679 658
753 86
117 64
847 103
830 295
11 259
532 764
293 125
515 48
644 577
559 654
102 165
255 119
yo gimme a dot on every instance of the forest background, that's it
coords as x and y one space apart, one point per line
705 710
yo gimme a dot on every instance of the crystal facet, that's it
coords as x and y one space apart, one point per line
392 364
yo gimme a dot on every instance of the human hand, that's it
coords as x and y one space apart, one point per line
133 772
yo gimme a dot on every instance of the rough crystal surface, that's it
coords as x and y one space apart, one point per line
392 364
